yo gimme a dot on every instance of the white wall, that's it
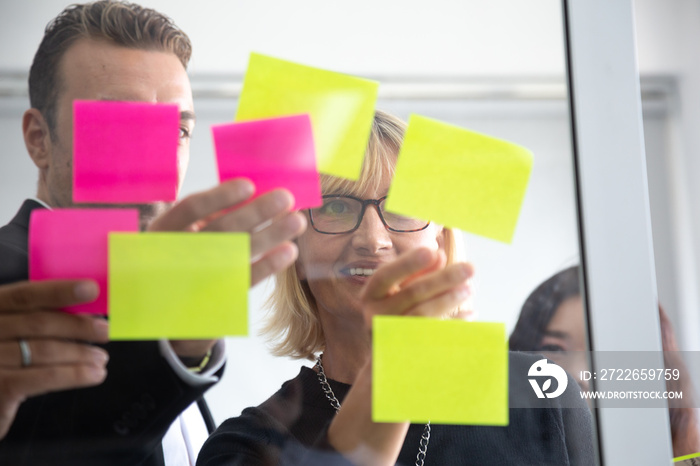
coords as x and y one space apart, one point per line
443 37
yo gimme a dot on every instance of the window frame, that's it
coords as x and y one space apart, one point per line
619 278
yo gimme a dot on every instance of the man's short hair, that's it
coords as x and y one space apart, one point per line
121 23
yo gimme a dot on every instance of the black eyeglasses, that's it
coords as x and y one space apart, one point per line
343 214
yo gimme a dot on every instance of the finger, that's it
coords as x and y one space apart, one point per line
255 214
284 229
204 204
8 410
468 315
388 276
25 295
51 324
442 305
437 264
273 261
429 286
20 384
47 351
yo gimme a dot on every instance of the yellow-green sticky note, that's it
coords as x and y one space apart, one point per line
688 460
341 108
178 285
460 178
442 371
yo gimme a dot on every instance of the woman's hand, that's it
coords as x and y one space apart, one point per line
418 284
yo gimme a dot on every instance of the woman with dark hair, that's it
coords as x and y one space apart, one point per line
552 321
541 306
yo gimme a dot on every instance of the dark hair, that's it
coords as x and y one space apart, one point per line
540 306
122 23
538 310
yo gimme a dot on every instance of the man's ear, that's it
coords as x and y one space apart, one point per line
37 138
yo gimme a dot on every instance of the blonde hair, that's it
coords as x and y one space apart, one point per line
293 326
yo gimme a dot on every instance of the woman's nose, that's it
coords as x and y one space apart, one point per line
371 236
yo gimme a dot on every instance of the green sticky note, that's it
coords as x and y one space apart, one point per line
341 108
442 371
460 178
689 460
178 285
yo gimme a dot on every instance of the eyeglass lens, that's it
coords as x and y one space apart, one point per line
341 214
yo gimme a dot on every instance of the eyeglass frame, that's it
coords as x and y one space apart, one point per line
365 203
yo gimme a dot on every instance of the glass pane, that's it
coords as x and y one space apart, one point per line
506 80
496 68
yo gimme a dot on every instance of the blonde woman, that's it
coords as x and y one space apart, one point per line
355 261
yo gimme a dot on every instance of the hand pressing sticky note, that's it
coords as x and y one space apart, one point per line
178 285
442 371
460 178
272 153
125 152
341 108
72 244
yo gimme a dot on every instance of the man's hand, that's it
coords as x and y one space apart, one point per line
57 354
268 219
227 207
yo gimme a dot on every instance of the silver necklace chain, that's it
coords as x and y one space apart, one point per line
326 387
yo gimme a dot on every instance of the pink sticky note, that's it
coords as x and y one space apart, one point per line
73 244
272 153
125 152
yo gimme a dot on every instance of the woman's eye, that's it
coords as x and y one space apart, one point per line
184 133
551 347
334 207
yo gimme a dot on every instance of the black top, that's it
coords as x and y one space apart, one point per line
291 426
120 422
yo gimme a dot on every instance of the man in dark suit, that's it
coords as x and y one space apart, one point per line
63 399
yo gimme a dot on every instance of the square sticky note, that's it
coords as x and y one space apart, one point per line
125 152
442 371
341 108
72 244
460 178
272 153
178 285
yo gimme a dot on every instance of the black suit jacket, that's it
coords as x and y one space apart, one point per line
120 422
